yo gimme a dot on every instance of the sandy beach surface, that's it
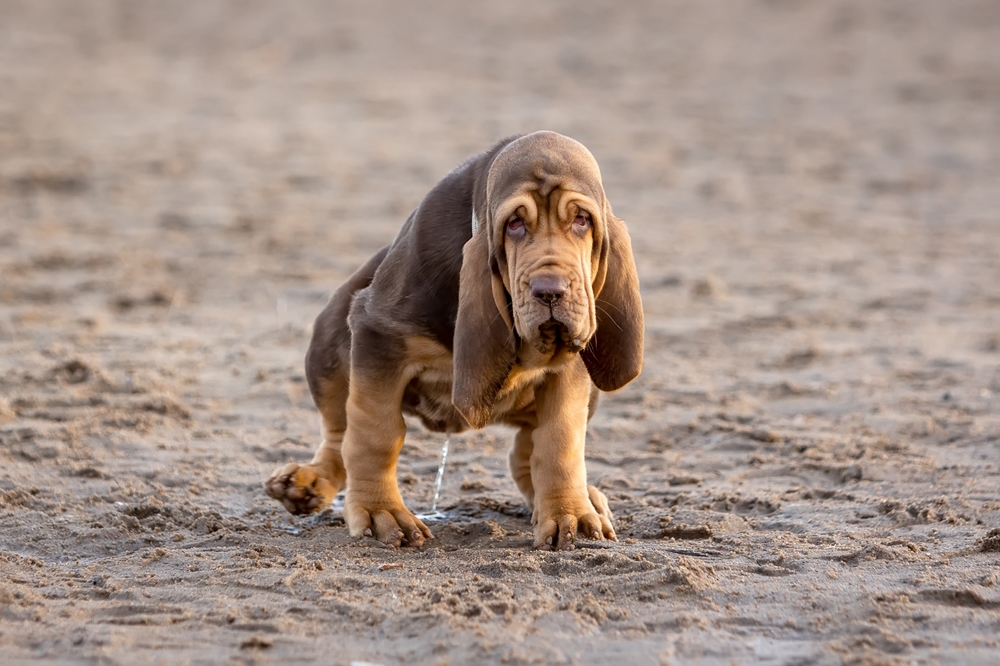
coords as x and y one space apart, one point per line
807 471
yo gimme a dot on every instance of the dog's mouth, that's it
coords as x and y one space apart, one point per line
555 336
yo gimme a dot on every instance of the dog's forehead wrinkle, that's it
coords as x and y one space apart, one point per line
544 162
547 182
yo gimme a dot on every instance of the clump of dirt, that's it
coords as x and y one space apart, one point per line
991 542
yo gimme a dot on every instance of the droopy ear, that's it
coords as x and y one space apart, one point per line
614 355
484 334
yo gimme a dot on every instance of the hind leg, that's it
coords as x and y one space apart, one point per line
311 487
307 488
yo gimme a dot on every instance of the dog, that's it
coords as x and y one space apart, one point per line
510 295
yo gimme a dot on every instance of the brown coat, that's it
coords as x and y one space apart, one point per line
509 296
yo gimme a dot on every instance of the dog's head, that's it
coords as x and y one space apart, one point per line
551 267
547 221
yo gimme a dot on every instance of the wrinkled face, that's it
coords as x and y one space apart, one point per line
548 243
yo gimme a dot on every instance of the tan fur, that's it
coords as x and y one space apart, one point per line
371 448
547 308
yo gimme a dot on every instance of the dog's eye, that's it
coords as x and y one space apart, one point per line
515 224
582 220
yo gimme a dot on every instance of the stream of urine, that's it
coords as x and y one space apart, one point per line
440 476
434 514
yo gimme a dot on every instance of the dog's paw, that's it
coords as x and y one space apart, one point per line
559 523
600 502
389 521
300 489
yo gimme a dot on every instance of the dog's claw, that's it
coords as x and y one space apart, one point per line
590 518
388 521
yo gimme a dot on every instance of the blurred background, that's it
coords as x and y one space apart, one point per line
301 127
313 124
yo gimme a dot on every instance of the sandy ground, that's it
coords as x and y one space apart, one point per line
808 470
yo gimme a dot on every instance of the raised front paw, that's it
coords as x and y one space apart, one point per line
300 489
388 520
559 521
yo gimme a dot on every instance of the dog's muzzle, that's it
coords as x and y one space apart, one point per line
554 334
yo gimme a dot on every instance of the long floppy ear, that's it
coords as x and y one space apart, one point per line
614 355
484 334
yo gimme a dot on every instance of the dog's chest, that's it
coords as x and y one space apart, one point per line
428 393
428 397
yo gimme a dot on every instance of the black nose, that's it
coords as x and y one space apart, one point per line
548 289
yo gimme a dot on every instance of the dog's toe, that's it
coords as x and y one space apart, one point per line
390 523
300 489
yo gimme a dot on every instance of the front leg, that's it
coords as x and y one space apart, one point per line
519 460
373 505
563 506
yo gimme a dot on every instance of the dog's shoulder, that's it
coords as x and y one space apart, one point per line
415 289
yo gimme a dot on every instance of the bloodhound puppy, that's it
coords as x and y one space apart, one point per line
509 296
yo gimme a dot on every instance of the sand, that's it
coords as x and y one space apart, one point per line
807 471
